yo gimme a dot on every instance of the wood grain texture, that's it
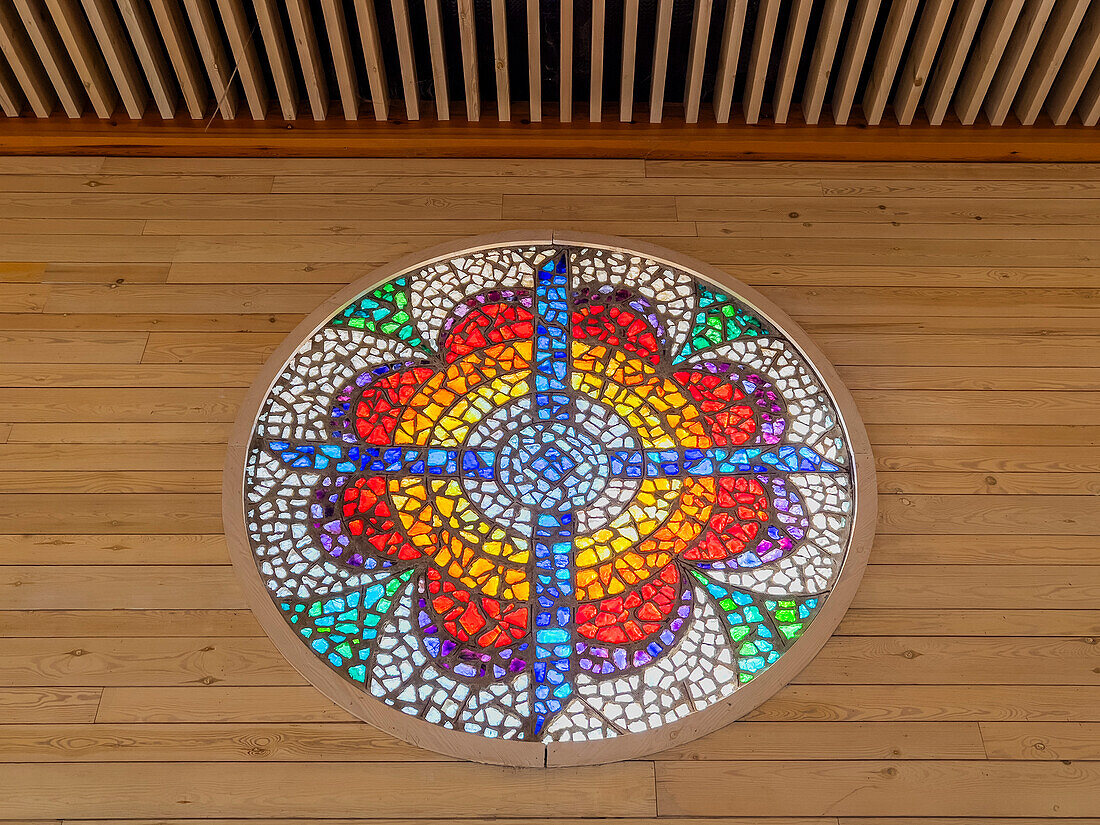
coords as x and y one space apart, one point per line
958 302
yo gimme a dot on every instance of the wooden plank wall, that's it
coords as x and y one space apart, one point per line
960 303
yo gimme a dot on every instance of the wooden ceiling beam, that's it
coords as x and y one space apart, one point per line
278 57
696 59
595 74
887 59
248 67
371 39
565 64
534 61
467 37
926 42
339 44
1077 69
11 102
851 64
671 139
662 37
309 56
767 16
626 75
436 50
406 56
823 59
793 43
500 60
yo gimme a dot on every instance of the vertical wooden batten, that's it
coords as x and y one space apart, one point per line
371 41
696 59
661 37
851 64
309 56
565 62
437 54
406 57
595 79
500 60
926 42
278 57
1053 48
534 61
339 44
887 59
823 59
626 75
757 73
467 33
247 63
793 44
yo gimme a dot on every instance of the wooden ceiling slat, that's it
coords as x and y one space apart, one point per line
467 34
500 60
105 25
1089 108
72 27
11 102
696 59
248 66
371 39
406 58
154 63
926 41
534 60
757 74
1017 56
52 54
309 56
823 58
733 29
177 42
662 36
887 59
986 56
963 56
626 77
565 72
340 47
855 53
219 69
793 43
1053 47
595 76
964 25
1077 69
278 57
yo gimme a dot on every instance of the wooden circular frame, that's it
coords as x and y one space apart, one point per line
526 753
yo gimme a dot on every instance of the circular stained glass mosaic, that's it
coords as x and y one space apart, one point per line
549 502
